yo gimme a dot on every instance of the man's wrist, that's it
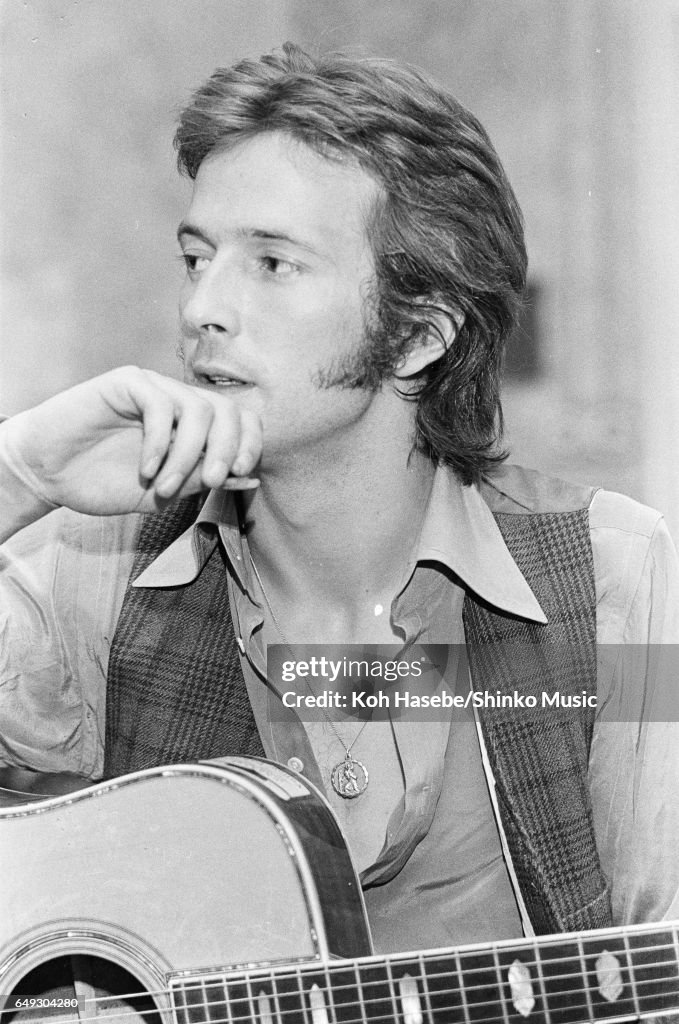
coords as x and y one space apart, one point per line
22 503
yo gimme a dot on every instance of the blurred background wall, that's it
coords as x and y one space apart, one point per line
580 97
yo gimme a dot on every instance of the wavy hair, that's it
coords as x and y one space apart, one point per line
446 231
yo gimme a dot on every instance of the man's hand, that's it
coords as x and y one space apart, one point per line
129 441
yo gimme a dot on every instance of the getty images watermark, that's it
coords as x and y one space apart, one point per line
433 681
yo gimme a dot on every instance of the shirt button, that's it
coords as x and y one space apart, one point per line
296 764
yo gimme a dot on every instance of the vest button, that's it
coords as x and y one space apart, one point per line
296 764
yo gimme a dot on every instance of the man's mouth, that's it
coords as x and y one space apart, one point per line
218 379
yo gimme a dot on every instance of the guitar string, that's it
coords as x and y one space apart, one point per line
390 1016
305 1010
497 1018
314 970
299 975
390 997
501 1003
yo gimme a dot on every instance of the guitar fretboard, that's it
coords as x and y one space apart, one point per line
614 974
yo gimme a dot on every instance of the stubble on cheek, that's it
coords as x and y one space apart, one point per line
363 366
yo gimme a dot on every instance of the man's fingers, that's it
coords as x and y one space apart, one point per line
222 443
192 438
193 420
133 394
250 448
132 439
234 446
158 427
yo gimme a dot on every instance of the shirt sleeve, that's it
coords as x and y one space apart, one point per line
62 581
634 762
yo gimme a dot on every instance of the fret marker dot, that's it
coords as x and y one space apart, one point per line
378 609
264 1008
410 1000
521 987
609 976
319 1011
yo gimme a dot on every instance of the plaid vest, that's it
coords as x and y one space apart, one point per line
175 689
540 758
168 636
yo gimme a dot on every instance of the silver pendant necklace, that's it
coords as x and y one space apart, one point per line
349 777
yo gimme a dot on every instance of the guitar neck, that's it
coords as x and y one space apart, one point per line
612 974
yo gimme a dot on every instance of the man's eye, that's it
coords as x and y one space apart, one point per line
276 266
194 263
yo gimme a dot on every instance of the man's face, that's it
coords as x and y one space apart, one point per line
278 267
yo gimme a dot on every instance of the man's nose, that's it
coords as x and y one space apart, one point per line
210 302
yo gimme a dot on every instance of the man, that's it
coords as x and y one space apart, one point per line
354 264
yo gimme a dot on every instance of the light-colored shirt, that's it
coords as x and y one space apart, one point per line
440 876
63 583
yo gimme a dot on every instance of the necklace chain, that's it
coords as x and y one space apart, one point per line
344 777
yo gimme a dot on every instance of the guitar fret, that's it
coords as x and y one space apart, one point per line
655 966
345 994
193 1004
178 1004
463 997
498 974
288 997
377 995
261 989
481 992
564 984
330 995
277 1005
443 984
300 989
633 982
394 1001
541 978
217 1004
205 1007
425 990
254 1017
239 1003
361 997
583 967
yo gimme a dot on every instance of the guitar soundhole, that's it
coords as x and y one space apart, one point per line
103 991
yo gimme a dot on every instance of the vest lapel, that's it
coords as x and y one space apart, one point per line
175 688
540 758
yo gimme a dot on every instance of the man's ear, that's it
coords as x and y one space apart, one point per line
432 342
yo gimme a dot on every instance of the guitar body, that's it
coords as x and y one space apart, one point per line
222 893
184 869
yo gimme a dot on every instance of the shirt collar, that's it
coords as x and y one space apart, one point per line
459 531
181 562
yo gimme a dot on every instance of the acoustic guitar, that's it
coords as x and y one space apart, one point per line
223 892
